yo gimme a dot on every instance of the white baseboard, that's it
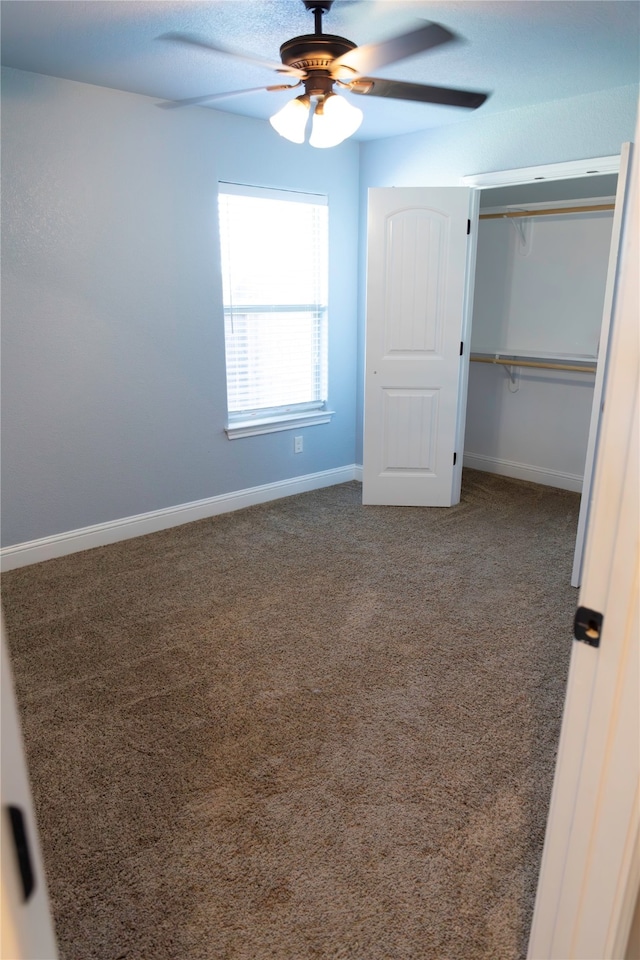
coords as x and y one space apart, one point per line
101 534
523 471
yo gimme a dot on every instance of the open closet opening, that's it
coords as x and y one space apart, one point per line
524 294
540 287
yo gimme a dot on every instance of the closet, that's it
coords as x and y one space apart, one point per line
521 357
540 281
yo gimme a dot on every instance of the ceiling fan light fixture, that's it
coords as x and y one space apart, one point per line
291 121
334 120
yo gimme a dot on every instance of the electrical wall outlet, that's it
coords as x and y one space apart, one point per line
297 444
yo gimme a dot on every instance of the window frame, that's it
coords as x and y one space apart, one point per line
275 419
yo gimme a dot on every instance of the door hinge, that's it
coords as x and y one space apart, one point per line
587 626
455 457
461 348
468 227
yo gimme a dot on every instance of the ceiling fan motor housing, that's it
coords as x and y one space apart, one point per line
316 51
314 54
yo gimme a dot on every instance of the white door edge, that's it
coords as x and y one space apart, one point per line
470 279
601 369
27 931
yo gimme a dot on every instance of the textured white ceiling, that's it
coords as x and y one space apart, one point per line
522 51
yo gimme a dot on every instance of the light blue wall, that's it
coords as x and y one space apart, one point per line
593 125
113 398
113 392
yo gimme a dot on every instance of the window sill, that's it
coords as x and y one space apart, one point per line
289 421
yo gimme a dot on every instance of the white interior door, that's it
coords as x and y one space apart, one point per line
590 871
417 309
26 931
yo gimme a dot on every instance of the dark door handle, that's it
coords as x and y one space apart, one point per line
21 843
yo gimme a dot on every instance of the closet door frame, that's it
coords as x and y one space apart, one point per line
569 170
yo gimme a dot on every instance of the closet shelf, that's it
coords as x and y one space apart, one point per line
577 364
547 212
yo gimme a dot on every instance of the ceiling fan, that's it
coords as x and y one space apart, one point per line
321 61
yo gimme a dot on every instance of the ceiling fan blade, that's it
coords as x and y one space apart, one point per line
194 101
194 41
373 55
400 90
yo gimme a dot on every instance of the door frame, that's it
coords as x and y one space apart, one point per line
567 170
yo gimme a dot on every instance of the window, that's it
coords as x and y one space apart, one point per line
274 252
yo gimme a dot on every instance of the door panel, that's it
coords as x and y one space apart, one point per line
408 422
417 266
412 314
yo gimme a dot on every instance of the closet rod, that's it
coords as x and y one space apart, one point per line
551 211
541 364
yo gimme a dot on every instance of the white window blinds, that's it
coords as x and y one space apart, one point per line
274 250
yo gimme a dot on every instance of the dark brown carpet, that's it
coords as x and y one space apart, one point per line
309 729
